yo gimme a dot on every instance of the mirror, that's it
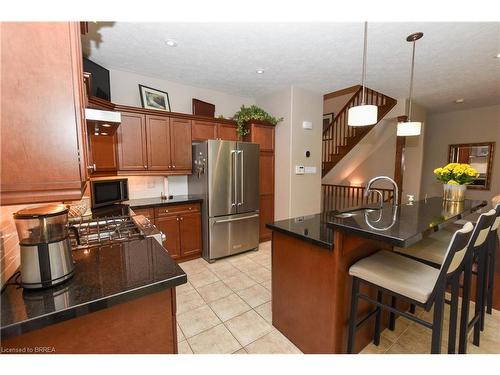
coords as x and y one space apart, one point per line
479 156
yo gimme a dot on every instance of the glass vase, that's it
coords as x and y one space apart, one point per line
454 193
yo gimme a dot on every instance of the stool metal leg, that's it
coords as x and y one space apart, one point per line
464 316
376 336
392 316
352 317
437 323
452 335
413 308
478 308
491 271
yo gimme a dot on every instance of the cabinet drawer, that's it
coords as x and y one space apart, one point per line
176 209
147 212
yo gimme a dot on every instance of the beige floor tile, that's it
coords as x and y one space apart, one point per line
371 348
265 310
248 327
229 307
260 274
197 320
267 284
184 288
239 282
188 301
246 265
401 326
183 348
398 349
265 246
264 261
194 266
216 340
180 335
241 351
255 296
214 291
272 343
227 271
202 278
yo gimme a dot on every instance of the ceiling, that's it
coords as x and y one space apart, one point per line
453 60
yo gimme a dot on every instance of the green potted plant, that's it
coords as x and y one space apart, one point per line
247 114
455 177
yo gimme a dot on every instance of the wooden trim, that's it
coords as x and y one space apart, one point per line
347 90
399 164
489 172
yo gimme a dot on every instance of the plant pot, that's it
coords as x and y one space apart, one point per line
454 193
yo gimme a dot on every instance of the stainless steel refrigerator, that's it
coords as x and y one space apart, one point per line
226 174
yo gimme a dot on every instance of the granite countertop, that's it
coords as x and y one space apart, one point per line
406 224
104 276
157 201
311 228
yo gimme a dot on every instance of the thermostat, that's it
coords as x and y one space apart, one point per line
300 169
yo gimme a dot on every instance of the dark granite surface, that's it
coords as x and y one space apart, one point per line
157 201
406 224
402 227
103 277
312 228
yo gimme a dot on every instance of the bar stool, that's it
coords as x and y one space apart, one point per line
411 281
493 245
431 251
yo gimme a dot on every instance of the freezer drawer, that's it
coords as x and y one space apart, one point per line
233 234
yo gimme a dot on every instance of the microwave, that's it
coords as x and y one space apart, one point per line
107 192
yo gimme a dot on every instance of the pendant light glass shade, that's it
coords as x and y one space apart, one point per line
409 128
362 115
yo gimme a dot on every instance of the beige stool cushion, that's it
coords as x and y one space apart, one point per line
397 273
432 248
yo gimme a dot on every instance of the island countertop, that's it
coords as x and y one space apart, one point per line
403 225
104 276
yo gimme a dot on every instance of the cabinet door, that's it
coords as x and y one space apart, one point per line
263 135
266 171
170 227
227 132
158 145
266 216
180 143
203 130
132 143
190 233
41 101
103 153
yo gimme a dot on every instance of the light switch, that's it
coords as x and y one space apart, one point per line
310 170
307 125
299 169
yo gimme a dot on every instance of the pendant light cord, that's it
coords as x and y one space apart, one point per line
363 75
411 80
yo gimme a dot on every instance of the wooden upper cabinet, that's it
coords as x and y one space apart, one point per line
158 143
263 135
180 137
43 149
132 151
203 130
227 132
103 156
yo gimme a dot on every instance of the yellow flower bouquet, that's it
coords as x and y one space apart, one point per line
456 174
454 177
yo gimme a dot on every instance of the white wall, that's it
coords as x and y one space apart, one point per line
296 195
462 126
125 90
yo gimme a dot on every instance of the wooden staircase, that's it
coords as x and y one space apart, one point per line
339 139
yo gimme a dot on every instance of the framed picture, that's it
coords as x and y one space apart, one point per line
327 119
154 99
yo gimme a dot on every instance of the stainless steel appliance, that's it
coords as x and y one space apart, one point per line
108 192
226 174
46 258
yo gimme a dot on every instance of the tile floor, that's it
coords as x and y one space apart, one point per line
226 308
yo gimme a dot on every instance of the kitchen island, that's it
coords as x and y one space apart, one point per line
311 256
121 299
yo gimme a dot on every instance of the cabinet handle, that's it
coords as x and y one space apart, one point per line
145 167
182 218
190 208
177 219
91 168
166 210
173 166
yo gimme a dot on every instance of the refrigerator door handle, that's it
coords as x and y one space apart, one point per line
242 186
233 178
237 219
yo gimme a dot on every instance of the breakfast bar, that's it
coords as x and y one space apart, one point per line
311 256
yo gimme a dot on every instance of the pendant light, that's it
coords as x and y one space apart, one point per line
364 114
409 127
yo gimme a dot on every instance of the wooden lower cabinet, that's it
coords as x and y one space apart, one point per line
181 225
266 216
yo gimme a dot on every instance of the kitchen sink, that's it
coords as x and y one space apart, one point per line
354 211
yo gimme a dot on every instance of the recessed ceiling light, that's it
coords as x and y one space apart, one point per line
259 71
171 43
459 100
498 56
